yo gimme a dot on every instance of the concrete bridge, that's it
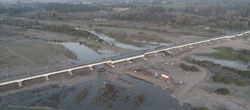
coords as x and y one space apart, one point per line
112 62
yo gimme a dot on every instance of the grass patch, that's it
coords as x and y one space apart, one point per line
206 63
81 95
241 83
201 108
245 74
228 53
140 99
189 68
64 29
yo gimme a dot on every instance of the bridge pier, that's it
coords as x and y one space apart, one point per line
20 84
129 61
111 65
91 68
144 58
47 78
70 73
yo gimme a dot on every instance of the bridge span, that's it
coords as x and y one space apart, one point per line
112 62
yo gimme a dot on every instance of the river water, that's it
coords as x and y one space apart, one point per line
85 54
65 97
150 45
234 64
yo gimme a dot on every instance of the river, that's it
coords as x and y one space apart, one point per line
65 97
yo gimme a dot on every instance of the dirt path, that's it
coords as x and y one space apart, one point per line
180 94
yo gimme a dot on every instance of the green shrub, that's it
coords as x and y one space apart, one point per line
189 68
228 53
222 79
206 63
223 91
80 96
227 80
217 78
245 74
241 83
201 108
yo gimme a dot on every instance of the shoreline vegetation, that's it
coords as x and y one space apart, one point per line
64 29
223 74
228 53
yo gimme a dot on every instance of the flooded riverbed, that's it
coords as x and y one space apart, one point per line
99 94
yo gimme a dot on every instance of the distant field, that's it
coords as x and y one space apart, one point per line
174 5
14 53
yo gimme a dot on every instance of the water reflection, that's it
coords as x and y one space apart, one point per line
85 54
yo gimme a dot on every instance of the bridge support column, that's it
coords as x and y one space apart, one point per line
70 73
144 58
91 68
129 61
47 78
20 84
111 65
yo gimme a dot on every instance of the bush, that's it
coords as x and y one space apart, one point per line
206 63
222 79
227 80
245 74
217 78
201 108
241 83
223 91
189 68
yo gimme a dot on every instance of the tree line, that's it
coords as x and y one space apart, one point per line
228 16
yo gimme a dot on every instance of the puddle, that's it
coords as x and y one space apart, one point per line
233 64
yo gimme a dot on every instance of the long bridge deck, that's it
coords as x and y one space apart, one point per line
117 60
